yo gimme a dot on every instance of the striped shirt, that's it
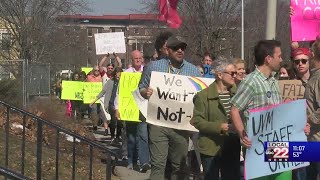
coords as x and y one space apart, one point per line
164 65
225 101
256 91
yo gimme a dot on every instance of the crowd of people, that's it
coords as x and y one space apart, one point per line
220 111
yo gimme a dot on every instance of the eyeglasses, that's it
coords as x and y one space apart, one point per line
179 47
201 72
297 61
110 69
232 74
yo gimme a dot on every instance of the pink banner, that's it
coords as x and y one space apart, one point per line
305 22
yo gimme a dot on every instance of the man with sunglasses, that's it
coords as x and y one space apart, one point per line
167 142
300 60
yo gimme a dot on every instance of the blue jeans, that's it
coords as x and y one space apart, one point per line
313 170
143 145
132 142
299 174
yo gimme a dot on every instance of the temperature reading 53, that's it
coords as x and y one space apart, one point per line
296 154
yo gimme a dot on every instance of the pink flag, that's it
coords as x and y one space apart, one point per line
168 13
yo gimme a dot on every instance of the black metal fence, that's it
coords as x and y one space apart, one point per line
5 171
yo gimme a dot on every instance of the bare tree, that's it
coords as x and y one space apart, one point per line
33 26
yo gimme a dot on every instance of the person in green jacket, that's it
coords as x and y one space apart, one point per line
218 144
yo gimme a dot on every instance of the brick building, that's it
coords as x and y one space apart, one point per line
139 31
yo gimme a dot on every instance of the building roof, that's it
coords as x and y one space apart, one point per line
111 17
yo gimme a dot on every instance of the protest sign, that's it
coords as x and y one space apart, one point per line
110 43
207 69
91 91
128 108
86 69
275 124
72 90
291 90
171 104
305 21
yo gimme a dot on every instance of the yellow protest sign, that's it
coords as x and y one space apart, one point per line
128 108
91 91
72 90
86 69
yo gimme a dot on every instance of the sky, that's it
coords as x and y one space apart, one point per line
110 7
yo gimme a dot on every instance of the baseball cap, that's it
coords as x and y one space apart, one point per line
299 51
174 42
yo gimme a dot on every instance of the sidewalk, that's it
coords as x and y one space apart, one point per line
121 170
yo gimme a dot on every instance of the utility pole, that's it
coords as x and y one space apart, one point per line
271 19
242 30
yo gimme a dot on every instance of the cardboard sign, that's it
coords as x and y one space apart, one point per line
171 104
110 42
305 21
275 124
291 90
72 90
128 108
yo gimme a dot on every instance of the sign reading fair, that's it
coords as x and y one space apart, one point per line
171 104
291 90
274 124
305 22
110 43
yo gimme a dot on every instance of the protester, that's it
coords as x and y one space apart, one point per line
137 133
94 110
312 95
167 142
240 68
106 72
207 58
107 92
258 89
286 72
160 44
300 61
218 144
75 104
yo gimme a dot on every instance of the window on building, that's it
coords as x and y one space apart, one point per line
99 30
89 31
5 41
136 31
116 29
89 47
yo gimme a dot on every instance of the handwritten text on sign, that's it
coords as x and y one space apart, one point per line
72 90
128 108
291 89
305 23
274 124
110 42
91 91
171 103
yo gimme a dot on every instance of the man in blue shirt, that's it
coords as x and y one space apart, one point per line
167 142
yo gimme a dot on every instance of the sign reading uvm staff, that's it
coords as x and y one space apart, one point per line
171 103
284 122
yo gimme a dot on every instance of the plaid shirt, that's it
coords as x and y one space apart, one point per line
256 91
164 65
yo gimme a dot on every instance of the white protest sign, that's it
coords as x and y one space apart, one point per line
171 104
284 122
110 42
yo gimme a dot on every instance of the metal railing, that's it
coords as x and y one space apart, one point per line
110 164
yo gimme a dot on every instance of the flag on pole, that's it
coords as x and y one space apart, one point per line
168 13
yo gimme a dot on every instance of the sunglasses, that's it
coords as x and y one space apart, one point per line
232 74
297 61
179 47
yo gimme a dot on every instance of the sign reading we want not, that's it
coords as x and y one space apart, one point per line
171 104
275 123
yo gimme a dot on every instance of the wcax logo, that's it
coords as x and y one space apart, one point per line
277 151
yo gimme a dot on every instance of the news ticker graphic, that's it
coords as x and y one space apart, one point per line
292 151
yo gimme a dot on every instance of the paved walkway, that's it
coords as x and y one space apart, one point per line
121 170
